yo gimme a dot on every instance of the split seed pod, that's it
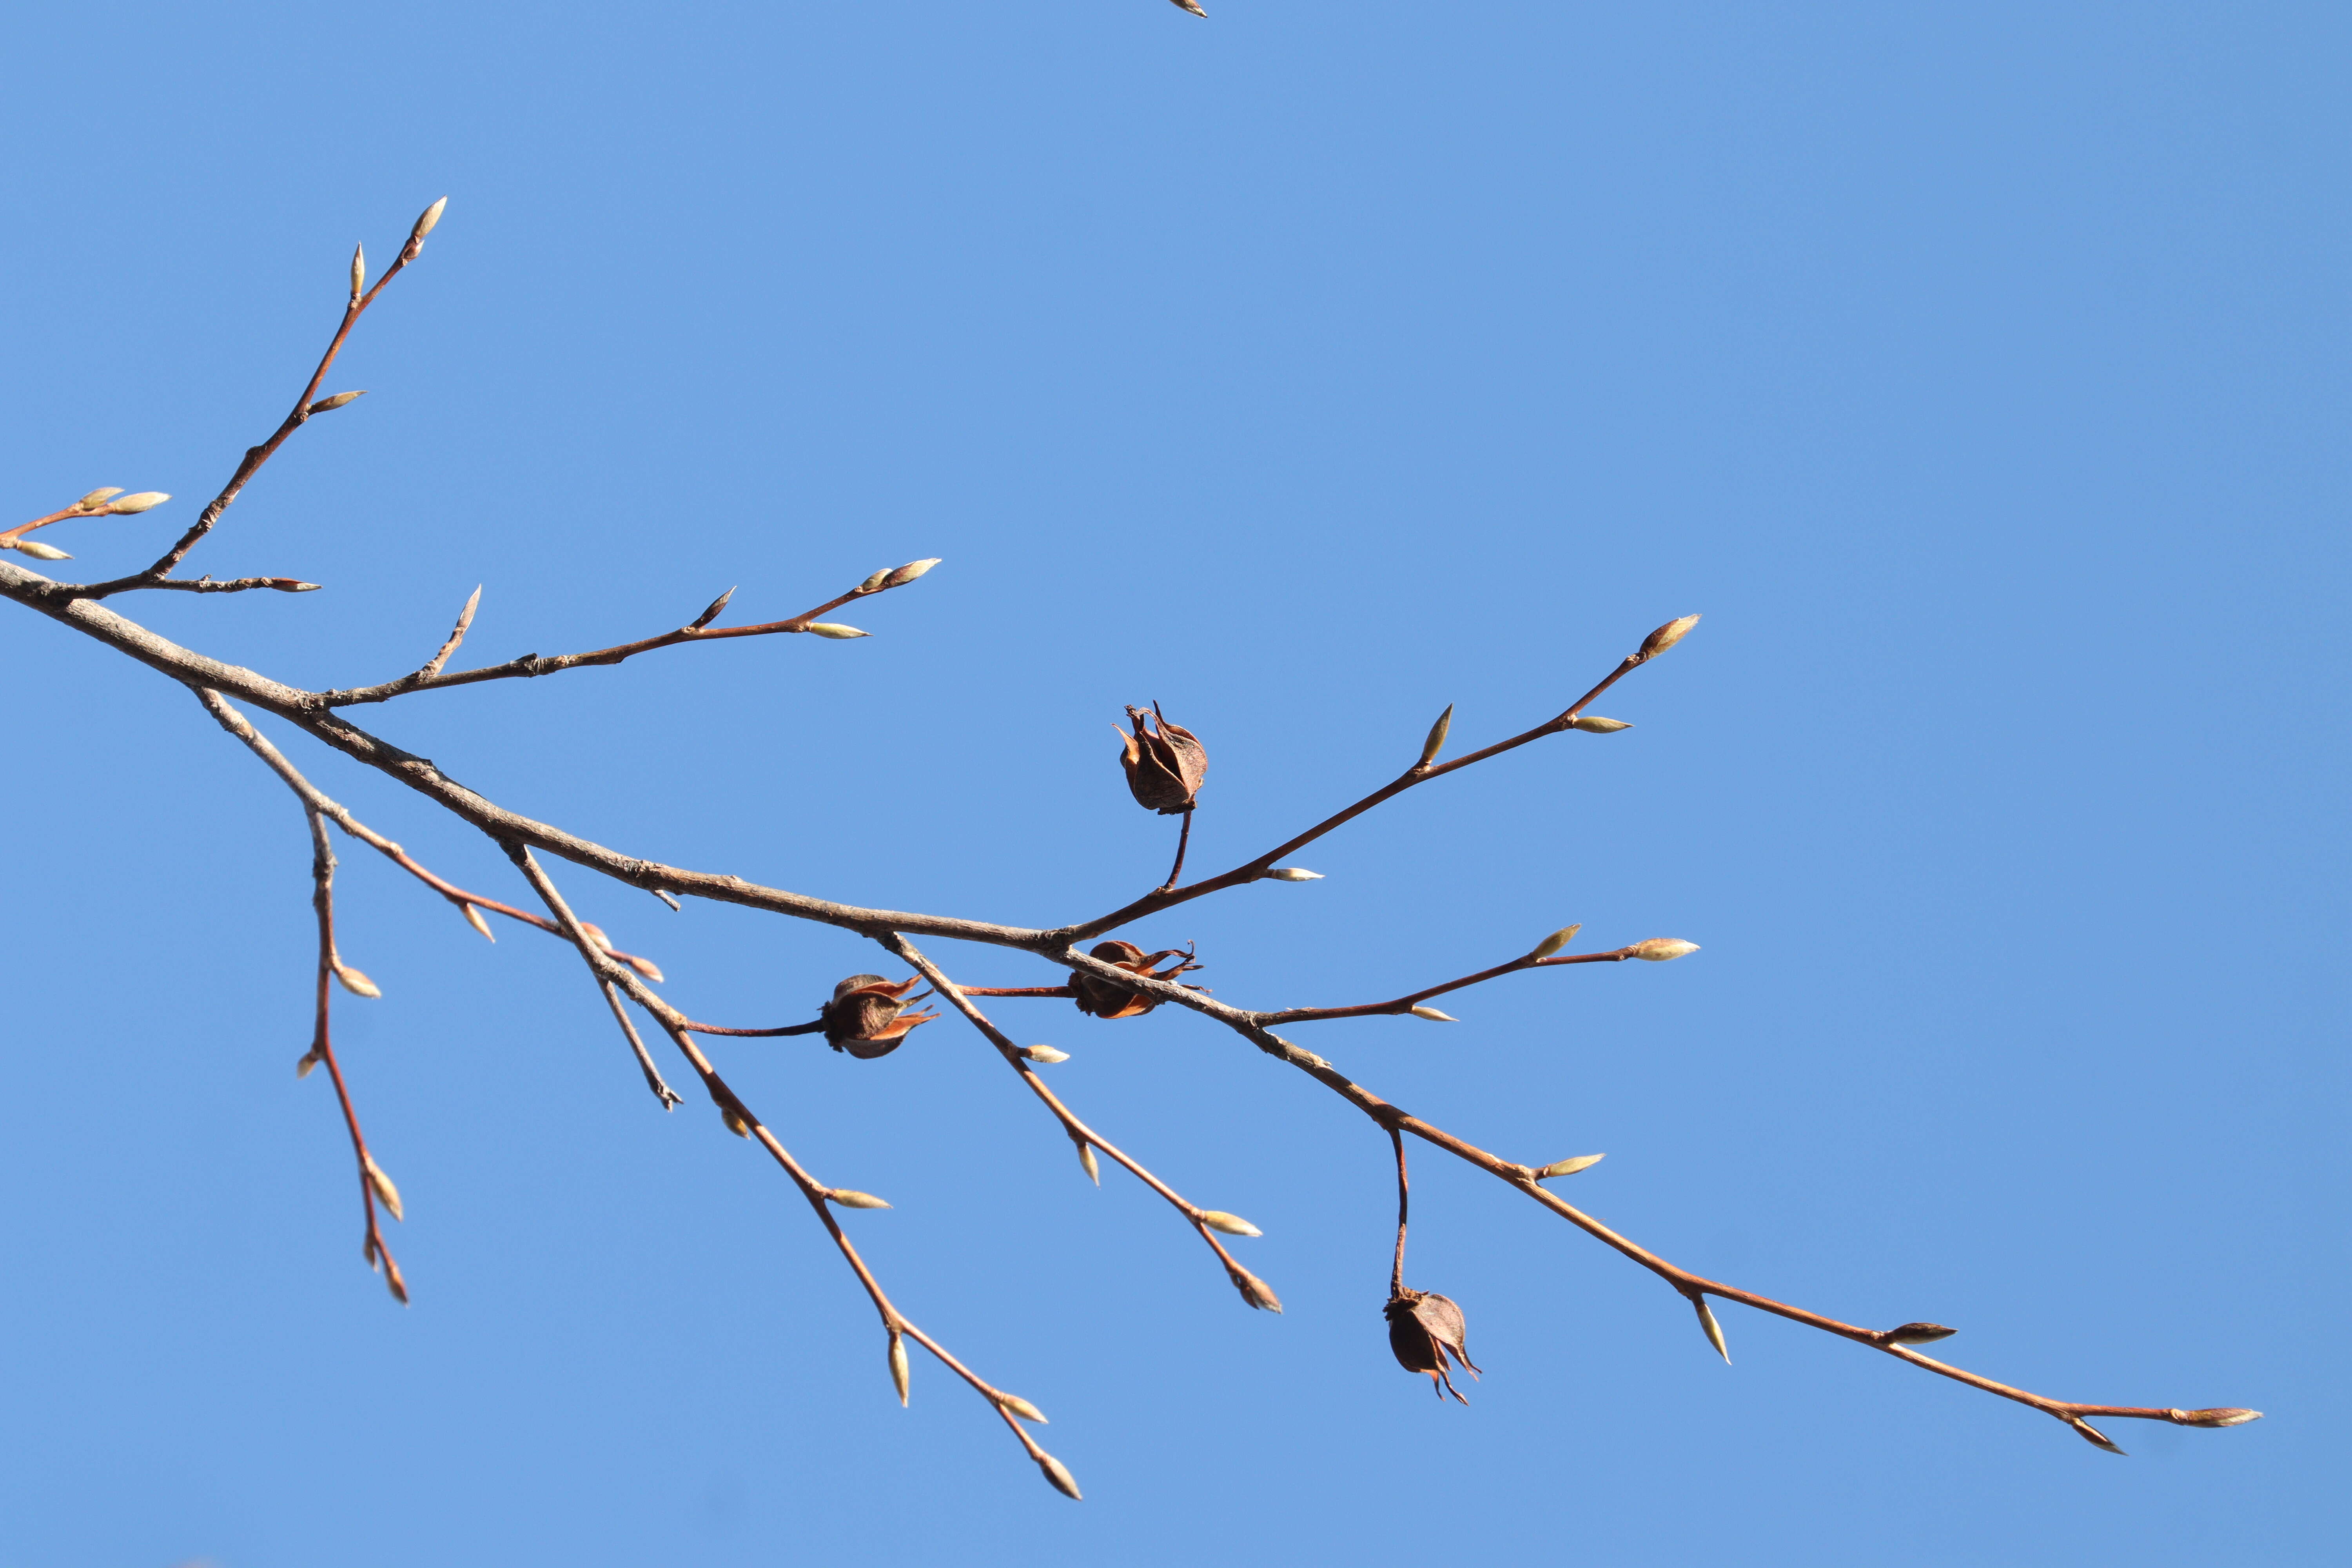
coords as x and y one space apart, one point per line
1165 763
1107 999
1425 1330
867 1017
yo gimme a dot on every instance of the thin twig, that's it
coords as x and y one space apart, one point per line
1404 1190
1254 1290
1183 840
599 964
1406 1004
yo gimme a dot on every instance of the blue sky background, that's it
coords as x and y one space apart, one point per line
1978 369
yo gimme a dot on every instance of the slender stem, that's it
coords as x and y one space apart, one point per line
599 964
1183 838
1405 1004
1404 1189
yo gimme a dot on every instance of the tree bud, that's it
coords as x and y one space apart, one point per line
1023 1408
145 500
358 271
310 1059
1555 940
867 1017
1191 5
849 1200
393 1281
1045 1054
834 629
1664 637
1426 1330
40 551
95 497
329 404
1568 1167
595 933
1230 1223
1255 1290
1663 949
385 1192
1055 1471
474 918
875 580
1917 1334
735 1124
1088 1163
1165 763
1712 1328
1434 1015
2220 1417
357 983
899 1365
1436 742
1594 724
426 219
1294 874
2093 1435
910 572
646 967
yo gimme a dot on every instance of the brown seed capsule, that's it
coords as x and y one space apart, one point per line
867 1017
1108 999
1165 763
1425 1330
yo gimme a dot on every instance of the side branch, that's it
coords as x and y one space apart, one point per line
1411 1002
1254 1290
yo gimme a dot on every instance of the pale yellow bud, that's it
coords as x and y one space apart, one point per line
1594 724
850 1200
1555 940
40 551
329 404
1088 1163
735 1124
1436 742
357 983
1045 1054
1665 636
898 1376
97 496
1706 1321
358 271
1568 1167
1055 1471
1661 948
910 570
474 918
595 933
2216 1417
310 1061
385 1192
1230 1223
426 219
875 581
393 1281
1434 1015
1023 1408
2093 1435
1294 874
834 629
145 500
649 968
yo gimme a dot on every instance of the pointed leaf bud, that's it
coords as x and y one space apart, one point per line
329 404
646 967
358 271
1594 724
875 580
426 219
95 497
474 918
1713 1329
1059 1475
711 614
1088 1163
595 933
850 1200
1045 1054
2220 1416
910 572
735 1124
40 551
393 1281
1664 637
385 1192
1256 1291
145 500
1568 1167
1434 1016
2093 1435
357 983
1663 949
1436 742
899 1365
1555 940
1023 1408
310 1059
1917 1334
1294 874
834 629
1230 1223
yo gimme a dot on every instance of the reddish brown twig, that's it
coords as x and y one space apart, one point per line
1404 1193
1254 1290
372 1181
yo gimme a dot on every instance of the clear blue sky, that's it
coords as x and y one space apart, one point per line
1978 371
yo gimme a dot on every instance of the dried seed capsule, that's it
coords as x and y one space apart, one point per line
1426 1330
1108 999
1165 763
867 1017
